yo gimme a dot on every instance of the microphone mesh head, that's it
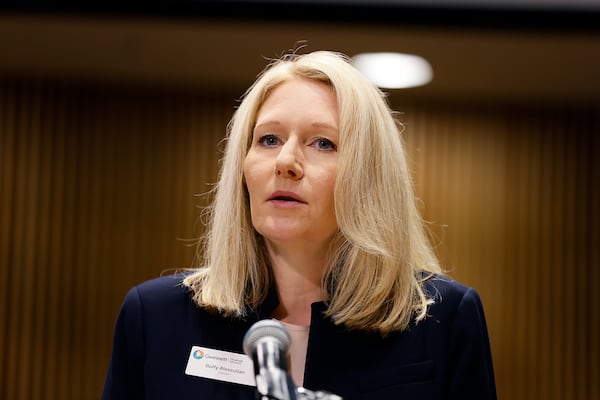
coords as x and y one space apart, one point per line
266 328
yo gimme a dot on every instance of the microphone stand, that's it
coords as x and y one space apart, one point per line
267 342
272 380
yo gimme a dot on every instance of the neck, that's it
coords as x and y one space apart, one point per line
298 275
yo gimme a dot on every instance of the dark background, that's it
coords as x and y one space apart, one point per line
111 120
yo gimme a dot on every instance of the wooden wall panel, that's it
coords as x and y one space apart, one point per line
98 192
511 195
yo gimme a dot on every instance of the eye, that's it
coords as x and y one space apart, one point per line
325 144
269 140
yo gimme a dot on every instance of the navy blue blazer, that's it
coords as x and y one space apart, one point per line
446 356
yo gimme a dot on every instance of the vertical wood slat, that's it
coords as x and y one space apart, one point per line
592 253
6 187
97 187
39 227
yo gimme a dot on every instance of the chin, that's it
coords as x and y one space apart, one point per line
283 234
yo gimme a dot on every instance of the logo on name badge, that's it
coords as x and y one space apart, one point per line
220 365
198 354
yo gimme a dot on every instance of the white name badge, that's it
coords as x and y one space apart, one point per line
221 365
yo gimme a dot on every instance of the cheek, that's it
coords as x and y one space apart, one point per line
256 174
249 173
328 188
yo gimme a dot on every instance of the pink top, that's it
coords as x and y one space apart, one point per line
298 346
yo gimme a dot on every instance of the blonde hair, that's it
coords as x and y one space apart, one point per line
375 274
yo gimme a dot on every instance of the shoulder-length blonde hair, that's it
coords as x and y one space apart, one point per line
375 274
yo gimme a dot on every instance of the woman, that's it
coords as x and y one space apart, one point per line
314 224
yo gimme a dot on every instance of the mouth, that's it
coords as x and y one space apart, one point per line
286 197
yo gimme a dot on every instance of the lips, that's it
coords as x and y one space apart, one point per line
286 197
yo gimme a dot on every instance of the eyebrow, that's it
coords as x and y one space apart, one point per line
322 125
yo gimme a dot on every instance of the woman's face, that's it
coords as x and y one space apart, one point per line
290 168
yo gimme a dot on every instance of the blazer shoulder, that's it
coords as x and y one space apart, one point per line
437 286
160 293
164 284
449 294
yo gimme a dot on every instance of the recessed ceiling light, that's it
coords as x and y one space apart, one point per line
394 70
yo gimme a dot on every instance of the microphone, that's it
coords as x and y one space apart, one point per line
267 342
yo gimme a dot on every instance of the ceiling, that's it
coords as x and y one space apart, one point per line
484 54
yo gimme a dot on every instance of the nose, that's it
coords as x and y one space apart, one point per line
288 163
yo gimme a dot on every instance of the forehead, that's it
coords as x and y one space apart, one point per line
300 98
